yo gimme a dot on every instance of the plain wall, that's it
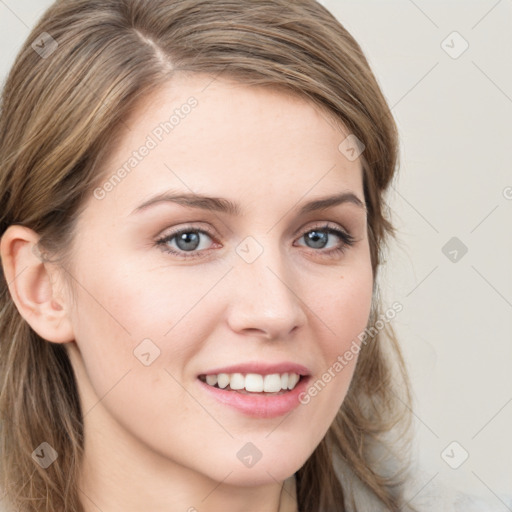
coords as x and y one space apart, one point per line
455 180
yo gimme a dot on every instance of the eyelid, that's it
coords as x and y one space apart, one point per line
322 224
186 227
209 231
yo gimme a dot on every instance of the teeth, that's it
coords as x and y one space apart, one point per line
222 380
253 382
237 381
211 379
272 383
293 378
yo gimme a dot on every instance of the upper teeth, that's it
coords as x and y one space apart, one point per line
254 382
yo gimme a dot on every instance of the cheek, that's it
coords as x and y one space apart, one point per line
345 311
136 333
346 307
124 311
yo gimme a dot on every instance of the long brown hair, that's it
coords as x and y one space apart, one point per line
84 68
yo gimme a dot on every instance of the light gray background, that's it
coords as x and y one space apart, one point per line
453 115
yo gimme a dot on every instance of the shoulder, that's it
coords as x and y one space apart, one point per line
421 492
446 498
443 493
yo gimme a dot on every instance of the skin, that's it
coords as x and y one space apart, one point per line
155 440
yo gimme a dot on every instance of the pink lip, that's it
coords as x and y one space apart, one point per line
261 368
260 405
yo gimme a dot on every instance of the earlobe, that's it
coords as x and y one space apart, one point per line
33 286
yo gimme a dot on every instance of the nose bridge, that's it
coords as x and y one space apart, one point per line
264 299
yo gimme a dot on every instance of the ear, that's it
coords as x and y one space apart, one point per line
33 284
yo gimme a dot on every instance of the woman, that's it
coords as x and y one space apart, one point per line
192 221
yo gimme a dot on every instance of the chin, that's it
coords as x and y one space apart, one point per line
279 464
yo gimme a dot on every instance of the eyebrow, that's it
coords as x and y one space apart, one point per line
217 204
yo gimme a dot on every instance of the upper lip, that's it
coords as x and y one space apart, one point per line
261 368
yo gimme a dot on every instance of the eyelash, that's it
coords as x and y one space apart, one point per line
347 240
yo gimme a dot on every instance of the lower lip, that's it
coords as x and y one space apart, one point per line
259 405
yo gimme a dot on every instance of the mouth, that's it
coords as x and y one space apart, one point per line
273 392
258 395
254 383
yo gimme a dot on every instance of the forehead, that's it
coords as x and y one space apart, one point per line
219 136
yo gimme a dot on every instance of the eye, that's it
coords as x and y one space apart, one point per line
320 237
190 242
187 240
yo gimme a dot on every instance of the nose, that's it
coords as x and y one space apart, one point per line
265 300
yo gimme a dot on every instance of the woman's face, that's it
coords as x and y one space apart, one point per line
261 280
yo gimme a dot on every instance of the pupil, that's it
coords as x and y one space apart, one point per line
187 241
318 238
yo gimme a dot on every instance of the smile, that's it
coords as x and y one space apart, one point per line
275 383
